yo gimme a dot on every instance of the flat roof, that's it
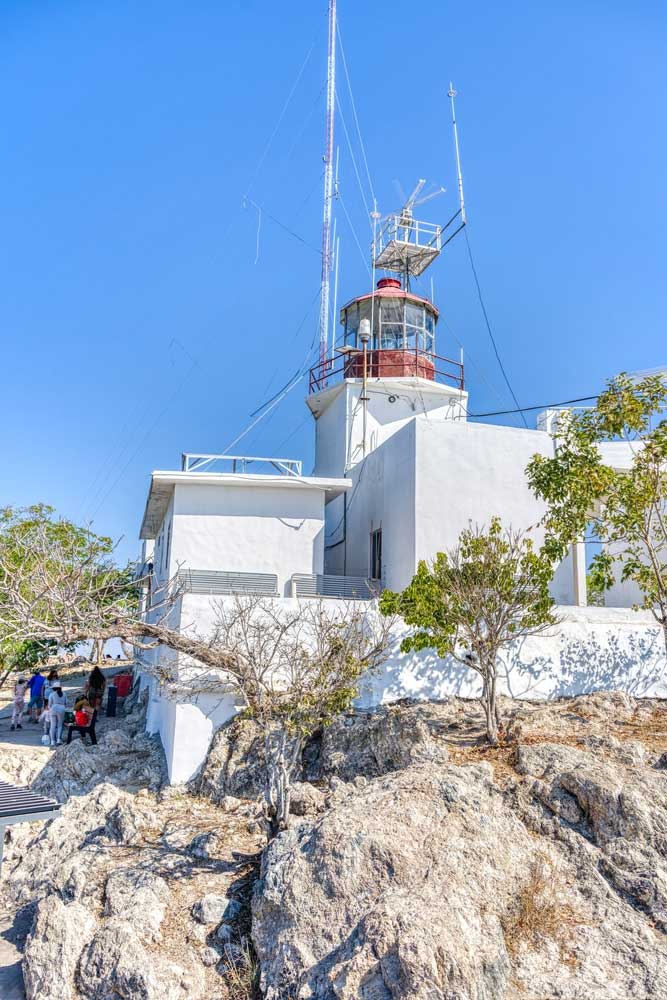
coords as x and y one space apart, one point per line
163 483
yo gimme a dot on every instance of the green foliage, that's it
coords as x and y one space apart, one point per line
493 588
52 572
471 602
627 507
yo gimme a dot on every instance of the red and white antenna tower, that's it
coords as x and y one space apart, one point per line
328 184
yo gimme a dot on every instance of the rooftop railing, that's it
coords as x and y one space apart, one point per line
240 463
387 364
351 588
201 581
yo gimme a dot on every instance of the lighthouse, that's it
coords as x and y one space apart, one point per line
384 371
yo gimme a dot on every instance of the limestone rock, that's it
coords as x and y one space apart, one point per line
213 908
53 948
409 888
131 763
234 763
306 799
138 896
371 744
116 964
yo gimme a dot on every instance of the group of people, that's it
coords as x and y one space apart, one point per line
47 702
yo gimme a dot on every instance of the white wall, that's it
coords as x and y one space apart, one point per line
431 480
250 528
391 404
467 473
591 649
383 496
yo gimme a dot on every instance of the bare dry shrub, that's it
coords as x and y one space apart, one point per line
241 974
540 914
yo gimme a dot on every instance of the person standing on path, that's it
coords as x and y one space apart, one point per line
48 686
18 703
94 687
36 687
57 708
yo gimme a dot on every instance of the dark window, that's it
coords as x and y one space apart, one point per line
376 554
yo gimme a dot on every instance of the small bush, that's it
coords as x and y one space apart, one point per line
540 914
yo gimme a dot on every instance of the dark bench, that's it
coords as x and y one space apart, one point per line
83 730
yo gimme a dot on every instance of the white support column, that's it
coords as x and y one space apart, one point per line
579 573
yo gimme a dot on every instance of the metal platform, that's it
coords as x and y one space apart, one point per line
406 245
20 805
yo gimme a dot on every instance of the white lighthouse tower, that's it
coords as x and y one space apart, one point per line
385 372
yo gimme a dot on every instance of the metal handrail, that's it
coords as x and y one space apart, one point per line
352 588
398 228
239 463
198 581
330 369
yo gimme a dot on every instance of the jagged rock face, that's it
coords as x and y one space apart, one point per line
438 881
371 744
131 762
113 879
367 743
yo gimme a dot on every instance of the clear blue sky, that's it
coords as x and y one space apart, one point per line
135 322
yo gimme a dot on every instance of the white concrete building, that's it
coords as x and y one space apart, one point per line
399 472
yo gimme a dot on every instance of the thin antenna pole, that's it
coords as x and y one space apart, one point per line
335 297
328 184
451 93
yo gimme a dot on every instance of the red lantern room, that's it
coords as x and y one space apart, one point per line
397 329
401 327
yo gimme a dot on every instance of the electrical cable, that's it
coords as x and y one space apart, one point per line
352 157
354 233
354 112
269 143
261 209
529 409
488 327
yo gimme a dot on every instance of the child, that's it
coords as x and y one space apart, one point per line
83 712
19 703
45 719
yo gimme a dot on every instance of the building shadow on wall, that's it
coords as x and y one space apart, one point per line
628 662
631 663
424 676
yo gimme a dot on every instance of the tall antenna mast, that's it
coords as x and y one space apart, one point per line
328 184
451 93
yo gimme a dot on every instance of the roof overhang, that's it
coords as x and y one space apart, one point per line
163 484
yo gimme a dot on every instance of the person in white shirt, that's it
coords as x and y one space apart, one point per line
57 708
18 707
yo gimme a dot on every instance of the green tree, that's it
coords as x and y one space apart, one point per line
477 599
625 508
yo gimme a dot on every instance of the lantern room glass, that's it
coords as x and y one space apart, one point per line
399 324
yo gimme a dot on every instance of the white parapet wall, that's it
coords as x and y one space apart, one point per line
591 649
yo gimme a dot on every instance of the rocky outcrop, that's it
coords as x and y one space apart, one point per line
359 743
541 873
113 880
131 762
371 744
419 864
59 932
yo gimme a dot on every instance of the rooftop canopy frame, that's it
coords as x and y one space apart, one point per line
239 463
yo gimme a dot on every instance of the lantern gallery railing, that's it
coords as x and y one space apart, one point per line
240 463
387 364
